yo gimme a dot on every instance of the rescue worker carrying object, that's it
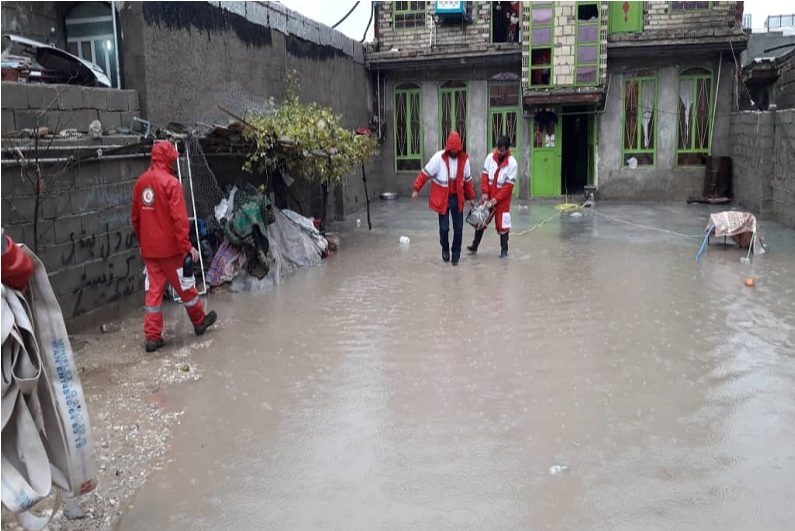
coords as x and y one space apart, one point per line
160 220
496 184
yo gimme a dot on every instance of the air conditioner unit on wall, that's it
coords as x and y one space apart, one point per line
448 8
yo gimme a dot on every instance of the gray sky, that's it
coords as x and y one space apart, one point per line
329 12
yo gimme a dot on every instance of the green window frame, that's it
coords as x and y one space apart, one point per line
453 110
408 127
694 125
408 15
621 21
690 6
640 118
587 35
540 40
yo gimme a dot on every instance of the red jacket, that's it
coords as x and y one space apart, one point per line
498 179
438 171
16 265
159 215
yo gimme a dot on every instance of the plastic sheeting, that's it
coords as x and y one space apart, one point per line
291 248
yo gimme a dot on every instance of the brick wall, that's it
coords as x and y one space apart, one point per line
58 107
661 22
565 44
763 153
434 34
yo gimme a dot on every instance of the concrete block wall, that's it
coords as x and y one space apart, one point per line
661 22
763 153
785 84
59 107
85 238
469 36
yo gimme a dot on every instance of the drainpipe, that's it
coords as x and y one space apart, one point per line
715 105
116 44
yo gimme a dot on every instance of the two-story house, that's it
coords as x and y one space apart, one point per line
629 97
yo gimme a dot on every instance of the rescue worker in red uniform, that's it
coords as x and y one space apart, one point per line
160 220
451 183
496 184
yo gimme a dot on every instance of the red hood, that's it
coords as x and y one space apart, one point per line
454 143
163 156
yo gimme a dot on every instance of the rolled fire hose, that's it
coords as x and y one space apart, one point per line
46 433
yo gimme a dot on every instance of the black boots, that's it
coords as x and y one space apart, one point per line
504 245
154 344
209 320
473 249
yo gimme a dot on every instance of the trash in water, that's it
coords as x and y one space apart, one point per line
358 223
184 368
557 470
750 282
577 215
745 260
405 240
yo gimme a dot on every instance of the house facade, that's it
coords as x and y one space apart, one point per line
628 97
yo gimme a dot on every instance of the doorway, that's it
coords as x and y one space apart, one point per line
577 152
545 152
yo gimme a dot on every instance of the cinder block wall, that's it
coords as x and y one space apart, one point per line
467 36
59 107
763 153
84 235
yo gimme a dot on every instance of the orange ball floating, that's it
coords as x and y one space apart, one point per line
750 282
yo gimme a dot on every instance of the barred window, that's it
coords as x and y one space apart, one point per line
407 15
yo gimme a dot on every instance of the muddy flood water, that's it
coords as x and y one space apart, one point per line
598 379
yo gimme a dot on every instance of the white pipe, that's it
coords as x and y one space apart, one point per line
116 45
195 219
58 160
715 104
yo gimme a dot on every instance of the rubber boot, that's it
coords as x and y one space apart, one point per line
504 245
473 249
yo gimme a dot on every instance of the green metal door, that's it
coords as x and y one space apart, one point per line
505 114
545 153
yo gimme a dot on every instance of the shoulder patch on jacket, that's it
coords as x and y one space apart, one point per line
148 196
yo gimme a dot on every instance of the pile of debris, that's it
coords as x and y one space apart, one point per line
252 245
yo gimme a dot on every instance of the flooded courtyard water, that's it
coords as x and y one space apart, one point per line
599 378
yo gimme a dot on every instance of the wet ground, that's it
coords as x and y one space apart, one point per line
599 378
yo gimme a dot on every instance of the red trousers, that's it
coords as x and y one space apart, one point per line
160 271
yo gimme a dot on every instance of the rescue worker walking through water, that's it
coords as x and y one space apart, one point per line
451 182
160 220
496 185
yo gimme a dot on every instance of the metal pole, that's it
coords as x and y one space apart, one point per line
58 160
116 44
195 220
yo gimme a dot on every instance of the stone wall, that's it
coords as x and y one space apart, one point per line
59 107
763 153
